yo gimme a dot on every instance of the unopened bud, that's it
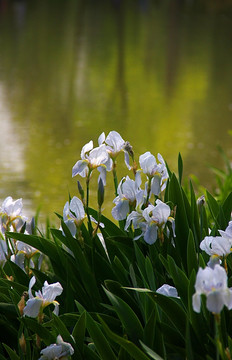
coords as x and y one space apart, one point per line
81 191
200 202
22 343
21 303
101 191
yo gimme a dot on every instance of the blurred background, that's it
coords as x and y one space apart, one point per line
158 72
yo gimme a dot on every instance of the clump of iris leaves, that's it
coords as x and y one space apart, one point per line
109 308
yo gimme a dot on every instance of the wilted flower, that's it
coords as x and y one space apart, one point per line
156 172
213 284
129 196
91 159
60 350
168 290
35 305
73 214
3 251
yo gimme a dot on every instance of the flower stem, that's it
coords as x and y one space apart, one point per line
220 351
87 204
148 191
115 177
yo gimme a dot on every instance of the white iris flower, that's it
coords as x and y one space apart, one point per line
114 145
11 215
60 350
151 220
156 172
213 284
73 214
217 247
24 251
92 158
36 304
129 195
156 218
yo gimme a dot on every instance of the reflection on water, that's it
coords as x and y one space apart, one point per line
158 72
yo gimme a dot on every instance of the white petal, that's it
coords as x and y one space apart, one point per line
66 211
129 189
101 138
138 180
51 291
127 160
147 212
18 259
216 245
167 290
56 308
102 170
51 352
71 226
115 140
98 156
196 301
140 199
148 163
17 209
160 158
32 307
150 235
6 203
86 148
155 185
161 212
215 302
120 211
76 206
228 298
213 261
31 284
135 217
81 168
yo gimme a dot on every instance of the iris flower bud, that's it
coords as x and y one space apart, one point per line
101 191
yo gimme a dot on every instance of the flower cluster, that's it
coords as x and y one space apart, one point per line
101 157
132 203
212 281
12 219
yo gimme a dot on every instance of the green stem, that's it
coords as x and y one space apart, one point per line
115 178
148 191
94 234
220 351
87 204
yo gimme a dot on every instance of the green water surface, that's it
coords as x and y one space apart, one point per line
158 72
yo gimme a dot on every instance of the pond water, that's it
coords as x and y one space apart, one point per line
158 72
